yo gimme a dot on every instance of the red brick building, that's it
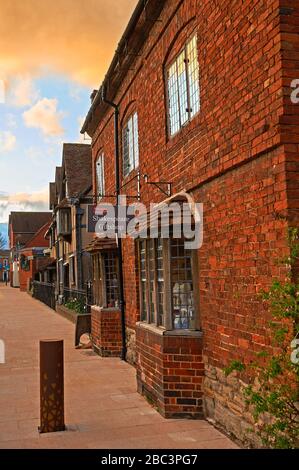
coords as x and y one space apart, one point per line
23 227
203 94
4 265
69 197
32 257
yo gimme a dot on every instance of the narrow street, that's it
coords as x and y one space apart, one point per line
102 407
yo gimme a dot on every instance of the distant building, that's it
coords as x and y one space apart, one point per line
22 228
32 258
69 198
4 265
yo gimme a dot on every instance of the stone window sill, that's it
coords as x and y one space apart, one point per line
105 309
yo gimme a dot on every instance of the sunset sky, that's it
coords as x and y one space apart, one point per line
52 54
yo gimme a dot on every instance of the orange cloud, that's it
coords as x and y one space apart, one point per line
45 116
22 92
68 36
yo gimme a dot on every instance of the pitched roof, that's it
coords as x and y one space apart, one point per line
38 239
137 32
4 253
77 165
28 222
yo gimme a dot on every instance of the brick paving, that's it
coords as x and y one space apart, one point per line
102 407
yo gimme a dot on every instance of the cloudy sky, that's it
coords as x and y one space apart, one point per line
52 54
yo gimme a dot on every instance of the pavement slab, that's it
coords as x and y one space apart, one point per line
102 407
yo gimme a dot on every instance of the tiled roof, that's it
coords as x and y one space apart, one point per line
38 238
28 222
101 244
78 168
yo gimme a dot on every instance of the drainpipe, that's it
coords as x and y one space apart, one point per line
79 214
119 244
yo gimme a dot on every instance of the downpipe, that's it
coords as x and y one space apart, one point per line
119 240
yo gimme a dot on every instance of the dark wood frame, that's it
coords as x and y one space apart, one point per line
99 285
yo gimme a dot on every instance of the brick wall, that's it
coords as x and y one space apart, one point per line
244 236
106 332
170 372
239 156
26 276
289 23
241 101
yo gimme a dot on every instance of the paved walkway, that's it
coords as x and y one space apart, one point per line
102 407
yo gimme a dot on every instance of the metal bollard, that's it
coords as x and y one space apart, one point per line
51 386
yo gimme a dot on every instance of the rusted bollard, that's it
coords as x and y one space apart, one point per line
51 386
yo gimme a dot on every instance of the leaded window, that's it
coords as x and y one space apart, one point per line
130 145
100 176
183 87
151 281
181 286
105 279
111 278
167 271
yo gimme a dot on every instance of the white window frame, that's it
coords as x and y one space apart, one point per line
100 175
130 145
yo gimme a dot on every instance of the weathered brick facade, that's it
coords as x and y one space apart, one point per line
239 157
170 373
106 332
30 257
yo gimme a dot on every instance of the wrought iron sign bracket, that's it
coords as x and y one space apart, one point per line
167 192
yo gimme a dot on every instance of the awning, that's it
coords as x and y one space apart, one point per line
101 244
45 263
175 217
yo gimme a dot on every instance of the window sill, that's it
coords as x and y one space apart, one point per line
105 309
184 333
162 332
130 176
155 329
184 132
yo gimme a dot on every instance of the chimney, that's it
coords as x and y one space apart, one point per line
93 95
